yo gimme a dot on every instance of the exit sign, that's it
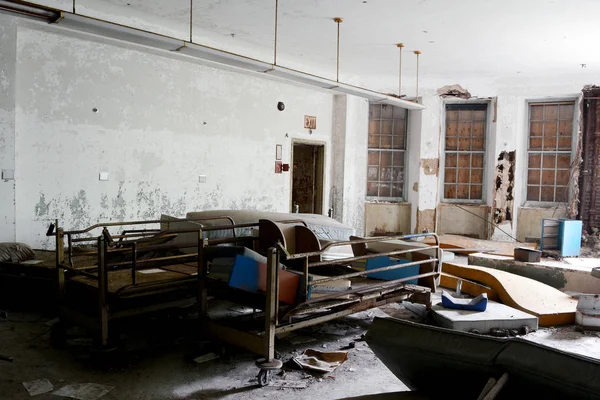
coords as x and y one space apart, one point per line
310 122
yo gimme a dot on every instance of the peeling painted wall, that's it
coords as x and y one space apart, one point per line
387 218
338 156
351 116
8 35
428 122
469 220
426 221
154 123
503 202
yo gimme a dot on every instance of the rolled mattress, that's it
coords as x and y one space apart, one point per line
324 227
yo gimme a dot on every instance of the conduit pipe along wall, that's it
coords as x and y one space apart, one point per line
151 39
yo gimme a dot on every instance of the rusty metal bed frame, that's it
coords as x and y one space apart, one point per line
130 243
313 311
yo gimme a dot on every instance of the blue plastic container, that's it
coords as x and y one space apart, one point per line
391 275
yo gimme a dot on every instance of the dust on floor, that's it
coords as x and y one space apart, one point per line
155 361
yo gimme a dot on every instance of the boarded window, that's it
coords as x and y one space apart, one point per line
387 148
549 152
464 151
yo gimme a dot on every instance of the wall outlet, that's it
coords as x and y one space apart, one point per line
202 179
8 174
103 176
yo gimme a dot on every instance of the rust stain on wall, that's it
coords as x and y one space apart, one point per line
504 187
578 162
430 166
425 220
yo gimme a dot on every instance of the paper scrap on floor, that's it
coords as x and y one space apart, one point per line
83 391
321 361
206 357
39 386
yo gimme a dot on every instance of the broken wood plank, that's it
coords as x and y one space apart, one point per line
457 241
550 305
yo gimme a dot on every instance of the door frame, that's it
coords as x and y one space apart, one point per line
319 143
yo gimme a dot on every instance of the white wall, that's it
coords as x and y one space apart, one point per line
161 121
8 35
350 138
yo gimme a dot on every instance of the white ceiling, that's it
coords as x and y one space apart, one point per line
461 40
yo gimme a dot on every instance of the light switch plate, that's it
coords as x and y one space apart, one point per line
8 174
103 176
202 179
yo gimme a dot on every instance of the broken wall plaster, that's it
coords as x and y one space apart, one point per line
455 90
575 170
430 166
503 203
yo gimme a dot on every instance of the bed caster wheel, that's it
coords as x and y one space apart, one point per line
264 375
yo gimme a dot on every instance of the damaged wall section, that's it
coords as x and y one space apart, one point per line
503 200
426 221
590 150
503 204
154 122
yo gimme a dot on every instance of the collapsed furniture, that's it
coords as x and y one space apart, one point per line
287 307
276 268
105 276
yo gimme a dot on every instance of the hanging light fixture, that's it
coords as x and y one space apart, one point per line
400 47
338 21
200 52
418 53
29 11
276 26
191 20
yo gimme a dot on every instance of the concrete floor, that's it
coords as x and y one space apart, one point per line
154 362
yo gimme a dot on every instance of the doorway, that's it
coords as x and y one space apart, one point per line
307 177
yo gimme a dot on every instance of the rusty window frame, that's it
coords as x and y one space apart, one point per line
394 152
555 152
466 107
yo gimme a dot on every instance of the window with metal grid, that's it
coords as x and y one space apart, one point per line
549 151
464 151
387 150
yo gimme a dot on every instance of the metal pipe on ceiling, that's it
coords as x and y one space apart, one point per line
276 25
142 37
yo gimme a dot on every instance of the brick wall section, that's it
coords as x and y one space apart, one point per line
589 179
